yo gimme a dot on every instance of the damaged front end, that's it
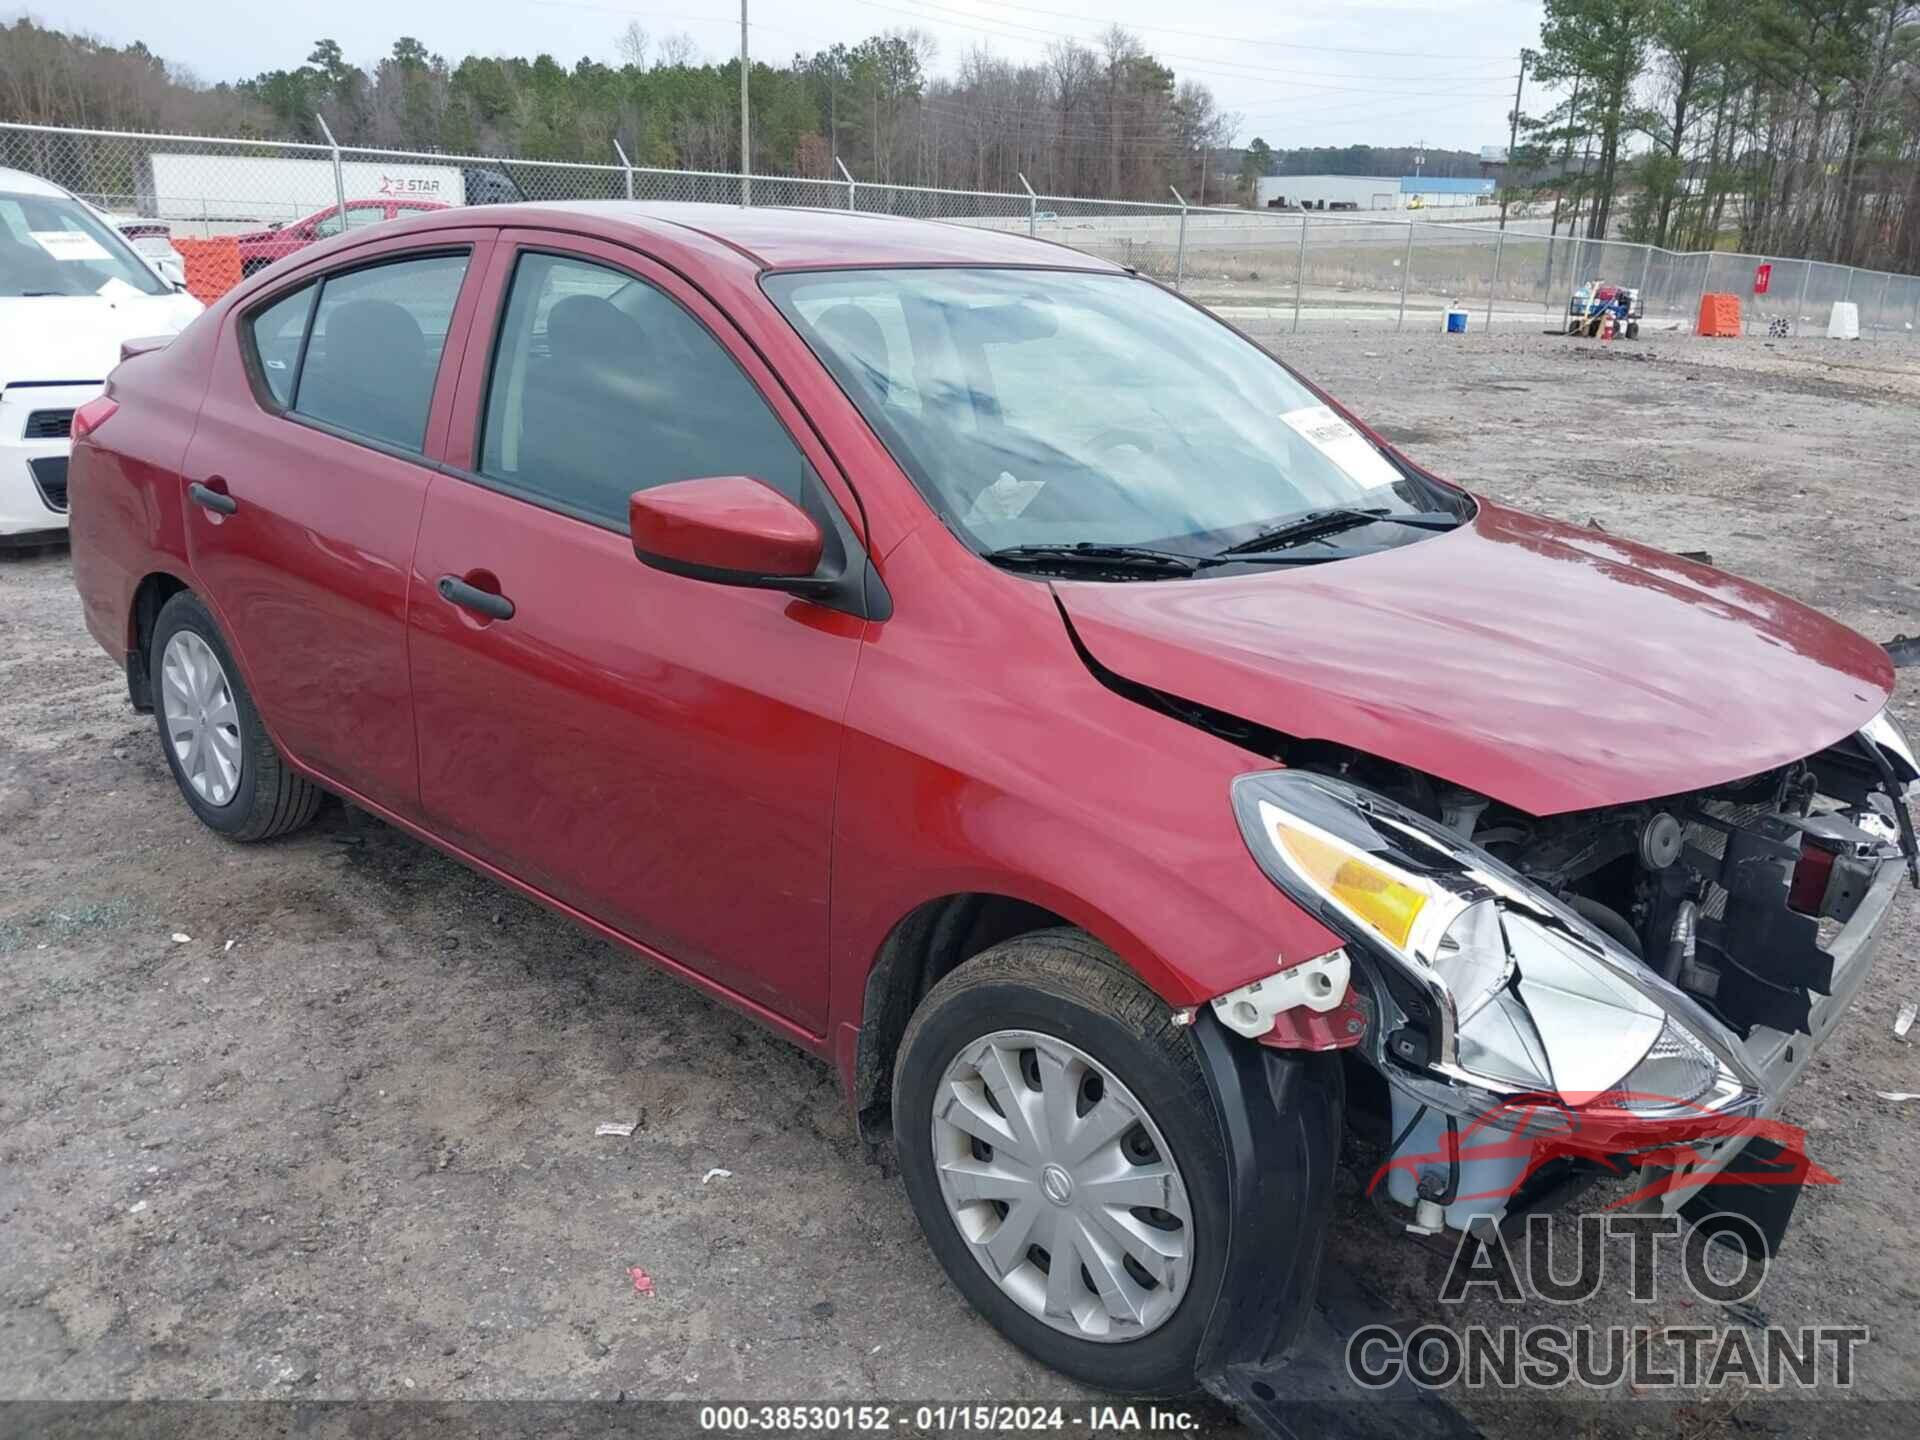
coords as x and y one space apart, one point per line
1551 997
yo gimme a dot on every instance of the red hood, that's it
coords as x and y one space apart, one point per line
1549 667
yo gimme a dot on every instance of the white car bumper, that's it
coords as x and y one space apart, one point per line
34 421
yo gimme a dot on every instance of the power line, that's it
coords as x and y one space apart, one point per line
1035 30
1246 39
960 108
1462 92
628 13
956 109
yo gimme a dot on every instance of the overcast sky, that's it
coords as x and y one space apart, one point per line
1434 71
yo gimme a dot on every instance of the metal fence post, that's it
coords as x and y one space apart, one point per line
1881 309
1646 273
1033 207
339 174
625 164
1406 278
1706 279
1806 277
1847 294
1300 272
851 202
1493 285
1180 251
1546 284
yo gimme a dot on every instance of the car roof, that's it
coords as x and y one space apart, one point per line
19 182
792 238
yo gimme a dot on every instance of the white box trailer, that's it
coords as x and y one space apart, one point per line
228 192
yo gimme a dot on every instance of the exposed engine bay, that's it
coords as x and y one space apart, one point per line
1748 911
1725 892
1670 964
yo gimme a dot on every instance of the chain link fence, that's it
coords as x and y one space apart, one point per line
1271 271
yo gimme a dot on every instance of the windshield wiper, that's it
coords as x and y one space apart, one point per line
1092 555
1316 523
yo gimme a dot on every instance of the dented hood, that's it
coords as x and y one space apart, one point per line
1550 667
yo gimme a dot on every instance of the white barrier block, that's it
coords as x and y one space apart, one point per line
1845 321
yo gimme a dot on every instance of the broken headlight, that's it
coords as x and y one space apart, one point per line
1513 990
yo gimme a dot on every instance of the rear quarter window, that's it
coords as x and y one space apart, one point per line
276 333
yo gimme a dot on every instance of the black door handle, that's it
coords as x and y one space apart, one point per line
471 597
212 499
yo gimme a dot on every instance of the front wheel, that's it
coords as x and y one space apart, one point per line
1060 1147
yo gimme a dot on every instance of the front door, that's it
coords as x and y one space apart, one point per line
303 489
657 752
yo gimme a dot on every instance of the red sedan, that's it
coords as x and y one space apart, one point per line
1007 682
260 248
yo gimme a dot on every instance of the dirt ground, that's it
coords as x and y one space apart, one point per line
316 1119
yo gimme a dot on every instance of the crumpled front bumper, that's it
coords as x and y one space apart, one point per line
1275 1346
1779 1058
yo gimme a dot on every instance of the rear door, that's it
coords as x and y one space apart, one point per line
304 486
655 751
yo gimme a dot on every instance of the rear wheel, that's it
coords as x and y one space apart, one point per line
220 754
1061 1150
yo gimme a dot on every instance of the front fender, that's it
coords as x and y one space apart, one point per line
983 756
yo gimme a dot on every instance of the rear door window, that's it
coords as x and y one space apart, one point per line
372 347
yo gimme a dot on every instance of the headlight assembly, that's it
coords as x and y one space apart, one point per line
1514 991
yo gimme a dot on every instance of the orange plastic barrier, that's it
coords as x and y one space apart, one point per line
1719 315
213 266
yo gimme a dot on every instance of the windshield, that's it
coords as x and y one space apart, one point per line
51 245
1049 408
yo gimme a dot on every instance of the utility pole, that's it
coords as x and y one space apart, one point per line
1513 140
746 150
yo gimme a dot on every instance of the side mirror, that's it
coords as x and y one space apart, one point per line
730 529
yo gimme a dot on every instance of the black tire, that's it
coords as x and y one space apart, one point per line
270 799
1065 984
1633 330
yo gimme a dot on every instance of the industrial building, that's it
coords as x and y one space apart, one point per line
1373 192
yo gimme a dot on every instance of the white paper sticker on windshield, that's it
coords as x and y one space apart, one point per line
69 244
1003 500
1342 444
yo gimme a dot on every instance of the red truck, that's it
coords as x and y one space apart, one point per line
260 248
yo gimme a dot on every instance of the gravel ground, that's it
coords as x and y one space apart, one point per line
339 1142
